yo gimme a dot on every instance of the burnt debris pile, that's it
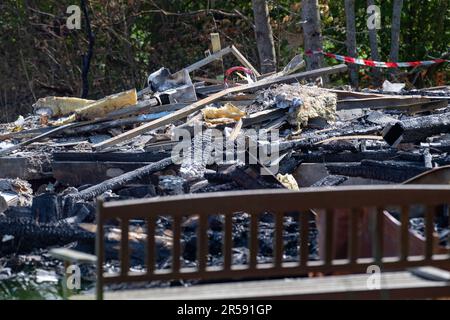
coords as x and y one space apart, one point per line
176 136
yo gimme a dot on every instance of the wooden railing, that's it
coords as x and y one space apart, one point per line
279 202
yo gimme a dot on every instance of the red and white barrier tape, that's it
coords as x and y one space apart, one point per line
377 64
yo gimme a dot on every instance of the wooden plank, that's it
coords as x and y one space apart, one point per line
215 42
429 230
284 200
92 172
23 168
329 235
279 246
150 106
25 134
265 115
254 240
208 60
228 242
244 61
380 103
378 235
344 94
183 113
304 238
124 248
404 233
150 257
396 285
148 156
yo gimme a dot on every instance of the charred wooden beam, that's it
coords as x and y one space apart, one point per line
382 103
393 171
289 164
381 155
417 129
29 234
46 208
119 181
26 168
77 173
308 140
148 156
230 186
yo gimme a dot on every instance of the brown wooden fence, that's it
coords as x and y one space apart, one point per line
375 199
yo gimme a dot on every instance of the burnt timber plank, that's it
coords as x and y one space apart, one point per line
347 156
397 285
77 173
392 171
381 102
118 157
121 180
22 167
182 113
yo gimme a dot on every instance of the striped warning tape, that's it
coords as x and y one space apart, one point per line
377 64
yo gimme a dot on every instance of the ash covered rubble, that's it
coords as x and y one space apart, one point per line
69 152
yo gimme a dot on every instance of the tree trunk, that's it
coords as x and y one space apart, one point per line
395 29
312 33
351 39
86 58
374 53
264 36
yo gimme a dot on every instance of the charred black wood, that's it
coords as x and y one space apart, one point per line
15 212
151 156
46 208
26 168
309 139
393 171
230 186
330 181
319 157
290 163
119 181
29 234
81 212
335 146
94 172
417 129
393 133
